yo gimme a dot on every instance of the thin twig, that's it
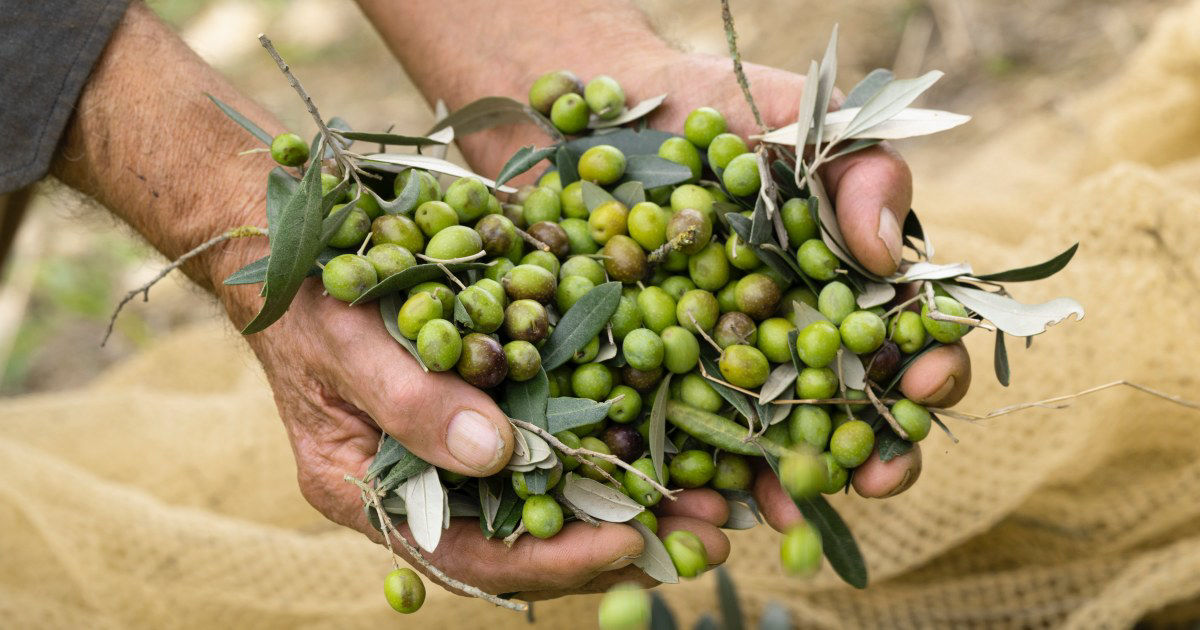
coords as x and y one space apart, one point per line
731 39
700 330
386 522
966 321
453 278
1049 402
144 290
531 239
705 374
826 401
582 454
579 514
887 415
681 240
511 539
451 261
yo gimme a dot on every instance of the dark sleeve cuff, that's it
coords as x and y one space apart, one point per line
47 51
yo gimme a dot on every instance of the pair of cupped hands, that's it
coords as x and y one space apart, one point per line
339 379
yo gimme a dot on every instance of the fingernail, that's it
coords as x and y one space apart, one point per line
942 391
620 563
474 441
889 233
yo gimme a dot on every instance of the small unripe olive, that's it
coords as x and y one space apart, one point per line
643 349
543 204
817 260
625 607
552 180
800 552
693 226
579 236
692 469
588 352
469 198
883 363
289 149
398 230
628 408
647 224
547 89
657 308
523 359
836 474
483 362
495 289
801 295
569 113
329 182
526 320
695 391
798 220
727 298
639 489
572 441
724 148
626 318
571 201
348 276
625 260
497 233
773 339
605 97
836 301
598 446
802 474
687 553
694 197
542 516
404 590
434 216
647 518
862 332
484 309
913 418
497 269
757 296
681 349
740 254
908 331
702 125
709 268
818 343
570 290
810 424
427 185
390 259
697 311
680 151
542 259
440 291
584 267
851 443
602 164
419 309
733 472
945 332
456 241
741 176
816 383
439 345
353 230
675 261
530 282
592 380
735 327
676 286
551 234
607 220
641 381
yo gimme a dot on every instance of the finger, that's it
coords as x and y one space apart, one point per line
877 479
704 504
437 416
600 584
716 543
938 378
872 190
776 506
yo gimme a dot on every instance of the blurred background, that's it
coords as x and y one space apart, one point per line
1004 60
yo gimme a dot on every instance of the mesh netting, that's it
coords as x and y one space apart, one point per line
164 495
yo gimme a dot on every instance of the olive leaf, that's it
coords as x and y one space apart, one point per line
594 195
256 271
295 245
907 123
389 309
491 492
775 617
629 141
731 609
425 500
629 114
408 466
281 187
876 294
1000 360
459 505
389 138
238 118
740 402
536 480
527 400
398 162
1011 316
777 382
658 426
655 560
706 622
760 223
868 87
889 101
580 324
446 135
566 162
511 519
932 271
854 375
828 72
654 171
413 276
494 111
1034 272
854 147
405 202
913 229
564 413
743 512
797 133
891 445
600 501
838 543
390 451
523 160
630 193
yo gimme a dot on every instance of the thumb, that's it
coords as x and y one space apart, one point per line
437 416
872 190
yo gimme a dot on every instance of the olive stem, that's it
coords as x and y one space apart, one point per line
700 330
366 240
731 39
531 239
824 401
450 261
1049 402
144 290
683 239
453 278
899 307
253 151
583 454
372 496
579 514
511 539
705 374
887 415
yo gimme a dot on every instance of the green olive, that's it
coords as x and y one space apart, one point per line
498 268
428 188
913 418
802 474
694 390
694 197
592 380
676 286
604 97
597 445
440 291
907 331
439 345
691 228
626 318
469 198
702 125
485 311
549 87
602 164
434 216
773 339
810 424
836 475
727 298
607 220
497 233
744 366
709 269
757 295
545 260
526 320
348 276
542 516
289 149
569 113
816 260
625 606
741 176
647 224
572 441
945 332
404 590
579 236
723 148
570 290
816 383
543 204
732 472
329 183
692 469
390 259
687 553
647 518
862 332
625 260
354 228
801 295
818 343
681 349
639 489
456 241
628 408
697 311
530 282
851 443
571 201
836 301
495 289
524 361
643 349
657 308
415 312
740 254
552 180
398 230
680 151
800 552
735 327
799 221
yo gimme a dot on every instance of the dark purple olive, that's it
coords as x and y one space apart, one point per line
624 441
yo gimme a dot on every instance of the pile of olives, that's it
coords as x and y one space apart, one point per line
693 291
